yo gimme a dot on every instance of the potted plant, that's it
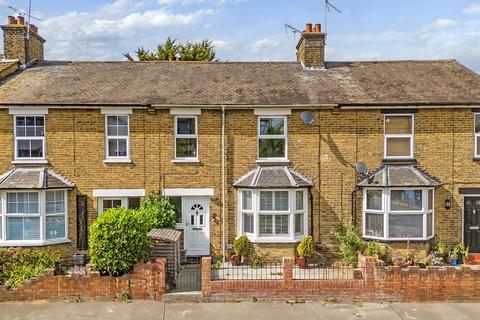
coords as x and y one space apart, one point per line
240 247
454 256
423 262
462 253
305 251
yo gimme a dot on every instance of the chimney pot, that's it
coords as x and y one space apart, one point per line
21 20
11 20
309 27
318 27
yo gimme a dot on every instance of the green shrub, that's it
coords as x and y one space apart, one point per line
306 248
241 245
118 240
374 249
350 243
159 212
19 265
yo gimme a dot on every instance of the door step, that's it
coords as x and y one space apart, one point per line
180 297
473 259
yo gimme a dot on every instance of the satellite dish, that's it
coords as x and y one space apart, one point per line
361 168
308 118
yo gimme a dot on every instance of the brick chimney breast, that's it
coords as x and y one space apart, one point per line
311 47
17 45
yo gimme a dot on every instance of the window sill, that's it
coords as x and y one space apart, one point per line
398 239
254 239
273 162
117 161
476 158
399 160
186 161
30 161
34 243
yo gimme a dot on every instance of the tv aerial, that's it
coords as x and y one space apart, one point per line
289 28
25 14
328 6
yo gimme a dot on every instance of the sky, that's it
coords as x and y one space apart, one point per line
253 30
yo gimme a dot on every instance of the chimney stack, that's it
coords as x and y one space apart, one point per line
21 43
311 47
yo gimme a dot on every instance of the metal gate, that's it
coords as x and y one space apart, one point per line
189 278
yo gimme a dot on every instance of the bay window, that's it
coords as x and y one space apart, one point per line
33 217
29 137
398 213
398 137
272 138
272 215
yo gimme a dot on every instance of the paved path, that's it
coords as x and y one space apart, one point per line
244 310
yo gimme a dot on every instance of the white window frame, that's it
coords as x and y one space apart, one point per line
388 136
476 135
185 136
255 237
123 199
386 212
16 138
108 158
278 137
42 214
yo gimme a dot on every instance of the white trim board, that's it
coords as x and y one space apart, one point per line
116 111
28 111
102 193
185 111
207 192
272 112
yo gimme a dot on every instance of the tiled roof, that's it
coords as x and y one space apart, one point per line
33 178
399 176
273 177
243 83
165 234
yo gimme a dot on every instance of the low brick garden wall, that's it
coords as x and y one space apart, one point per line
377 283
147 282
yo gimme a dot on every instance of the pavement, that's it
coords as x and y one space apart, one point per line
242 310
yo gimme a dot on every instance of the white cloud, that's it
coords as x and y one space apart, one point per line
262 44
223 45
473 8
184 2
438 25
113 29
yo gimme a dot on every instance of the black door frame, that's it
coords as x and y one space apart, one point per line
464 197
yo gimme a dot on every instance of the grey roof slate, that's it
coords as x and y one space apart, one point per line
243 83
33 178
170 235
273 177
399 176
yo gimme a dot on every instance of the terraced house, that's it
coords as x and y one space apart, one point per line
273 150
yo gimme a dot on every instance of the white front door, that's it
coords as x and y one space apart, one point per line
197 235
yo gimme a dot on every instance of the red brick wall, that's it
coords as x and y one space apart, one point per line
147 282
377 283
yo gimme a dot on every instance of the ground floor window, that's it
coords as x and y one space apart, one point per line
105 203
30 218
272 215
398 213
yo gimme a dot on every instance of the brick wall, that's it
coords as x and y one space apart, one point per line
16 46
147 282
377 283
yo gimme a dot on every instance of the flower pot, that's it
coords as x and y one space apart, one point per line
235 260
302 262
453 262
422 265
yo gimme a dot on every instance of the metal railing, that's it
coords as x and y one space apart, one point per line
266 271
322 272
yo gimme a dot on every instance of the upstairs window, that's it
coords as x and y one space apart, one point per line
30 137
186 138
117 136
272 138
477 135
398 136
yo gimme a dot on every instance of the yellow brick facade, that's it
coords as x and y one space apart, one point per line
325 152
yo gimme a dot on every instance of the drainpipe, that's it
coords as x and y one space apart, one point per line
223 183
354 206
